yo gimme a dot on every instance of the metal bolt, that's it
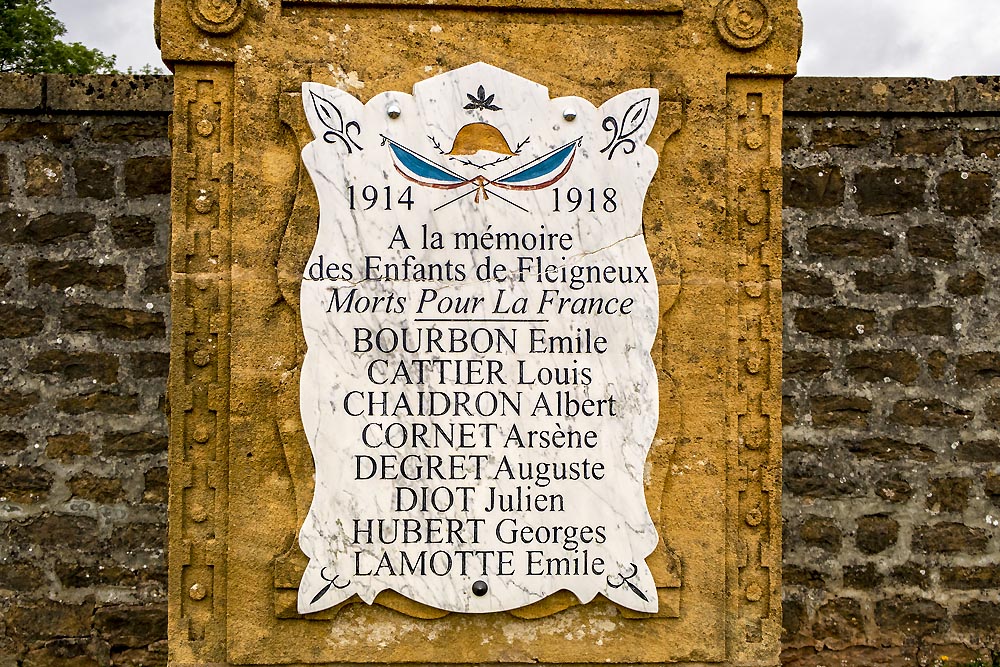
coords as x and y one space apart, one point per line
569 114
393 110
480 588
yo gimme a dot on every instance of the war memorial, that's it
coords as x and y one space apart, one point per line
464 323
453 293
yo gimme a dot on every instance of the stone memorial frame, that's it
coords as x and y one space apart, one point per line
243 222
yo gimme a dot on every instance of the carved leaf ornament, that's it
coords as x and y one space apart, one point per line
631 122
331 118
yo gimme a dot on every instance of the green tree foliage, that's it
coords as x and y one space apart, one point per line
29 42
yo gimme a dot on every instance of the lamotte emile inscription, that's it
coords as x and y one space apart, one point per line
479 308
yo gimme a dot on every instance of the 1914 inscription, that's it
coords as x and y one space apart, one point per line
479 309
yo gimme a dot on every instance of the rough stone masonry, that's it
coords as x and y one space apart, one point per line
84 210
892 370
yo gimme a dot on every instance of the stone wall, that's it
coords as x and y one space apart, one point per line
892 369
84 215
892 366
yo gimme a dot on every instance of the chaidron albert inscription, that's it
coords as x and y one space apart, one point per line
479 309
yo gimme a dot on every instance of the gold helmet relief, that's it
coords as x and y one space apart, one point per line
476 137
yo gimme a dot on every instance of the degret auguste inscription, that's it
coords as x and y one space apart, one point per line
479 309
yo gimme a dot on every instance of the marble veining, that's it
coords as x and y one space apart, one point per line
479 309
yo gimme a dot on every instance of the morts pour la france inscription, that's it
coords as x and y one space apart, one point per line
479 309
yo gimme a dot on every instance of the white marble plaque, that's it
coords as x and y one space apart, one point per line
479 309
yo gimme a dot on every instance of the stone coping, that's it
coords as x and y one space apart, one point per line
894 95
103 93
804 95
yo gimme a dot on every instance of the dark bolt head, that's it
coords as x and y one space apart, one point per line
479 588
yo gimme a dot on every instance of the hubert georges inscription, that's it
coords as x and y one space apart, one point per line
479 309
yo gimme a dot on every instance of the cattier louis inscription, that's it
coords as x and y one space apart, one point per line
479 309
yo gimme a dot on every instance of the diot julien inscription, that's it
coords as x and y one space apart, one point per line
479 309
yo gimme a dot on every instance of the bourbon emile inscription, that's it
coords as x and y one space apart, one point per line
479 308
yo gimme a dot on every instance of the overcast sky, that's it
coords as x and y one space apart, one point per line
934 38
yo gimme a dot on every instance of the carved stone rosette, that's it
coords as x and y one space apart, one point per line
218 17
743 24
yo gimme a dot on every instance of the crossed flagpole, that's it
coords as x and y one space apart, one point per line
540 173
